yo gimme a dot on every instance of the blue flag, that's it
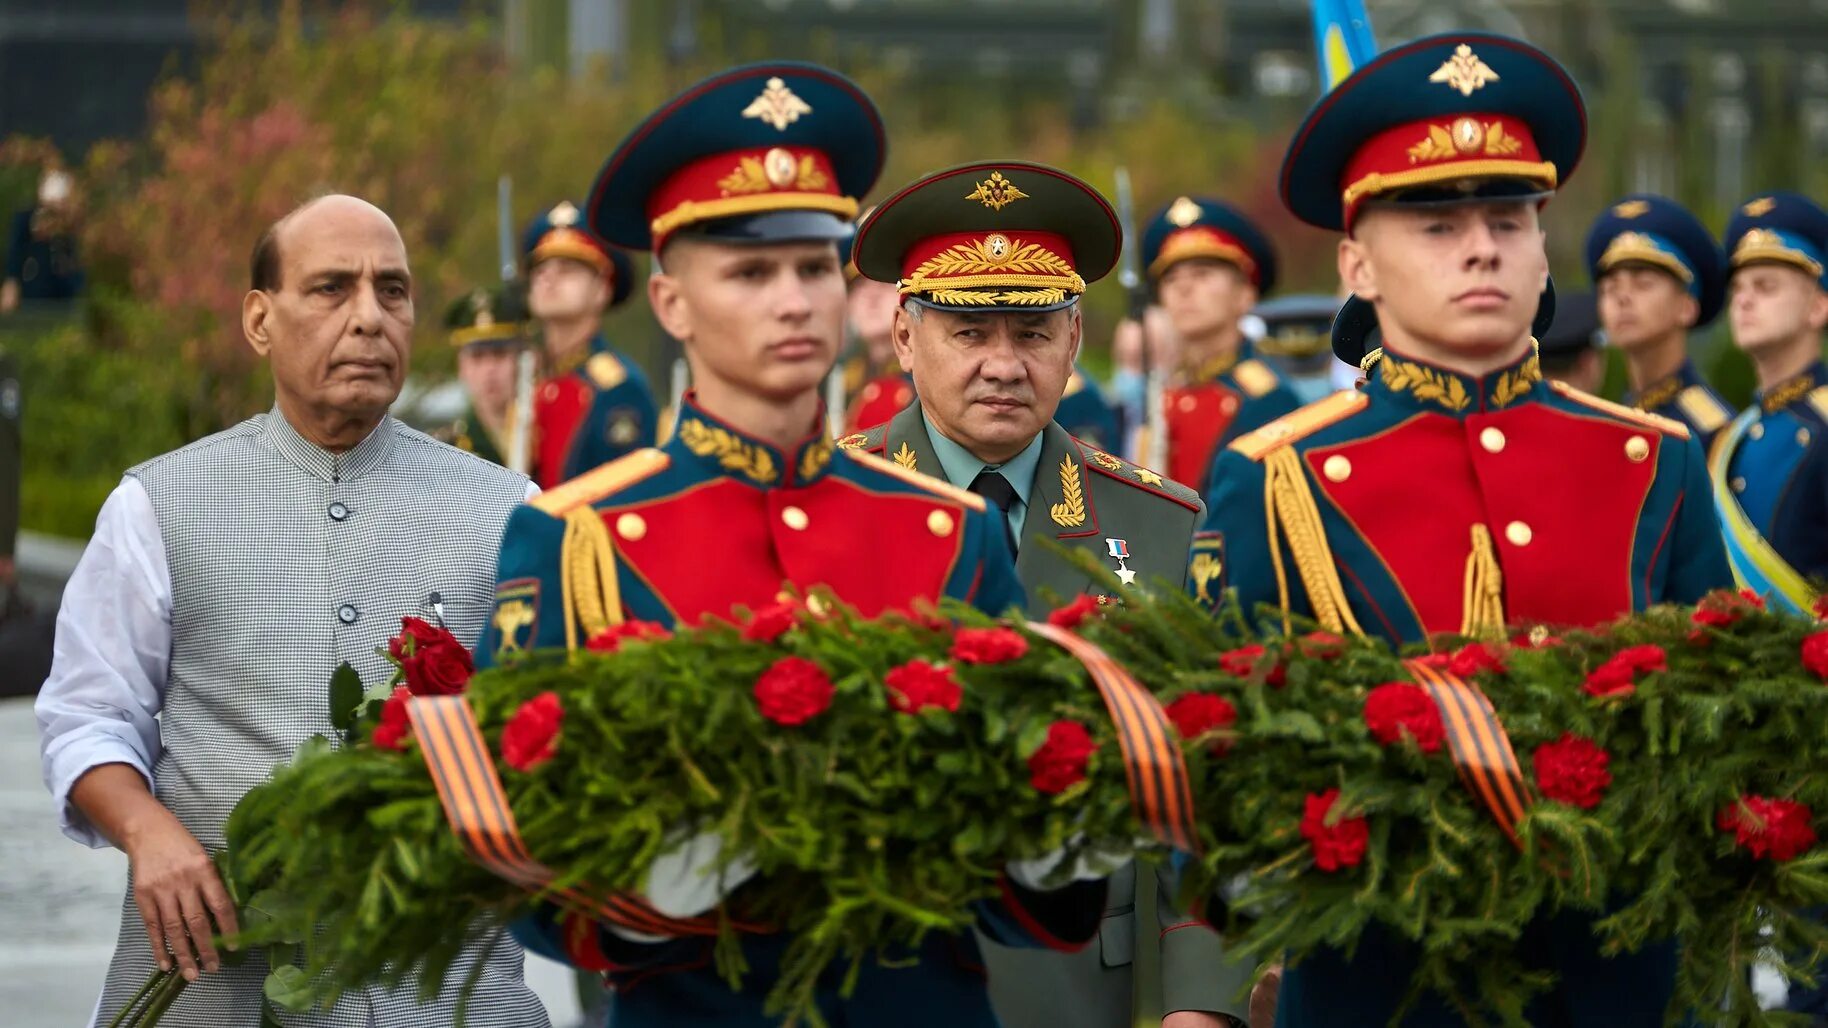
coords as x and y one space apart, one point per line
1342 39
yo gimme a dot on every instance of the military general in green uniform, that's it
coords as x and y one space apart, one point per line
990 260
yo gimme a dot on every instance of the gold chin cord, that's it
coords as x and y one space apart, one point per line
1291 511
592 594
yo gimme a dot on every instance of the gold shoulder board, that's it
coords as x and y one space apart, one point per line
1300 424
1254 377
1818 398
915 478
609 478
1668 426
1707 413
605 371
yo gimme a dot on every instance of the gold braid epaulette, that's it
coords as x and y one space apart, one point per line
1668 426
1289 506
587 577
1300 424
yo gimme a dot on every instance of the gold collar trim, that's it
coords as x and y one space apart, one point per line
1787 393
1660 394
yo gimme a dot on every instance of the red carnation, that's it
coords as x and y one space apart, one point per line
1397 709
793 691
917 685
1821 607
1721 608
1335 845
1815 654
988 645
1321 645
531 736
1776 828
1243 660
1474 658
771 622
1198 713
391 731
1061 761
432 661
1073 614
1572 770
611 639
1618 676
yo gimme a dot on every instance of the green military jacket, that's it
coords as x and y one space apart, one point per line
1084 498
470 434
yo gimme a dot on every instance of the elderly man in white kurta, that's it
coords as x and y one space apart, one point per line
223 585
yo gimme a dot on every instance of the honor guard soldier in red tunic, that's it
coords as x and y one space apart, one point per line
742 186
1659 275
1210 265
594 404
1456 491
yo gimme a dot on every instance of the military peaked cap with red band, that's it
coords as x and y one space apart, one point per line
991 236
1450 118
556 232
763 153
1200 227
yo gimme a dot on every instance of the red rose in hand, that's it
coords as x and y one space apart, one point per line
611 639
1572 770
1335 845
1061 761
1243 660
1815 654
1776 828
392 730
988 645
435 663
1618 676
1073 614
1197 713
1397 709
917 685
793 691
531 736
773 621
414 632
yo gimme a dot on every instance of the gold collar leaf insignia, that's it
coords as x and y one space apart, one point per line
1424 383
1788 393
732 453
1659 395
1516 383
1070 511
815 458
906 456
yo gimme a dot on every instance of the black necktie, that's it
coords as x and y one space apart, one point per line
992 486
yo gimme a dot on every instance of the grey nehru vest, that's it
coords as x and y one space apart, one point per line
286 560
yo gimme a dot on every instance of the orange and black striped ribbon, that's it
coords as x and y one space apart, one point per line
1480 747
1152 759
477 807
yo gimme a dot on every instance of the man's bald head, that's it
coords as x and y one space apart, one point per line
334 210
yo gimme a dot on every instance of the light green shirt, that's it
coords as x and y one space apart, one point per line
961 468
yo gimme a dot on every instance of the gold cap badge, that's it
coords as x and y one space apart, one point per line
996 192
778 106
1631 209
1464 71
564 215
1760 207
1183 212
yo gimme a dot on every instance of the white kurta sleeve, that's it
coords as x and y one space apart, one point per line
108 671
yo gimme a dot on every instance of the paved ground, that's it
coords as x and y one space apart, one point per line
60 902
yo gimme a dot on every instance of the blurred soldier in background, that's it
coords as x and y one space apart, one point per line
1570 349
488 327
41 249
